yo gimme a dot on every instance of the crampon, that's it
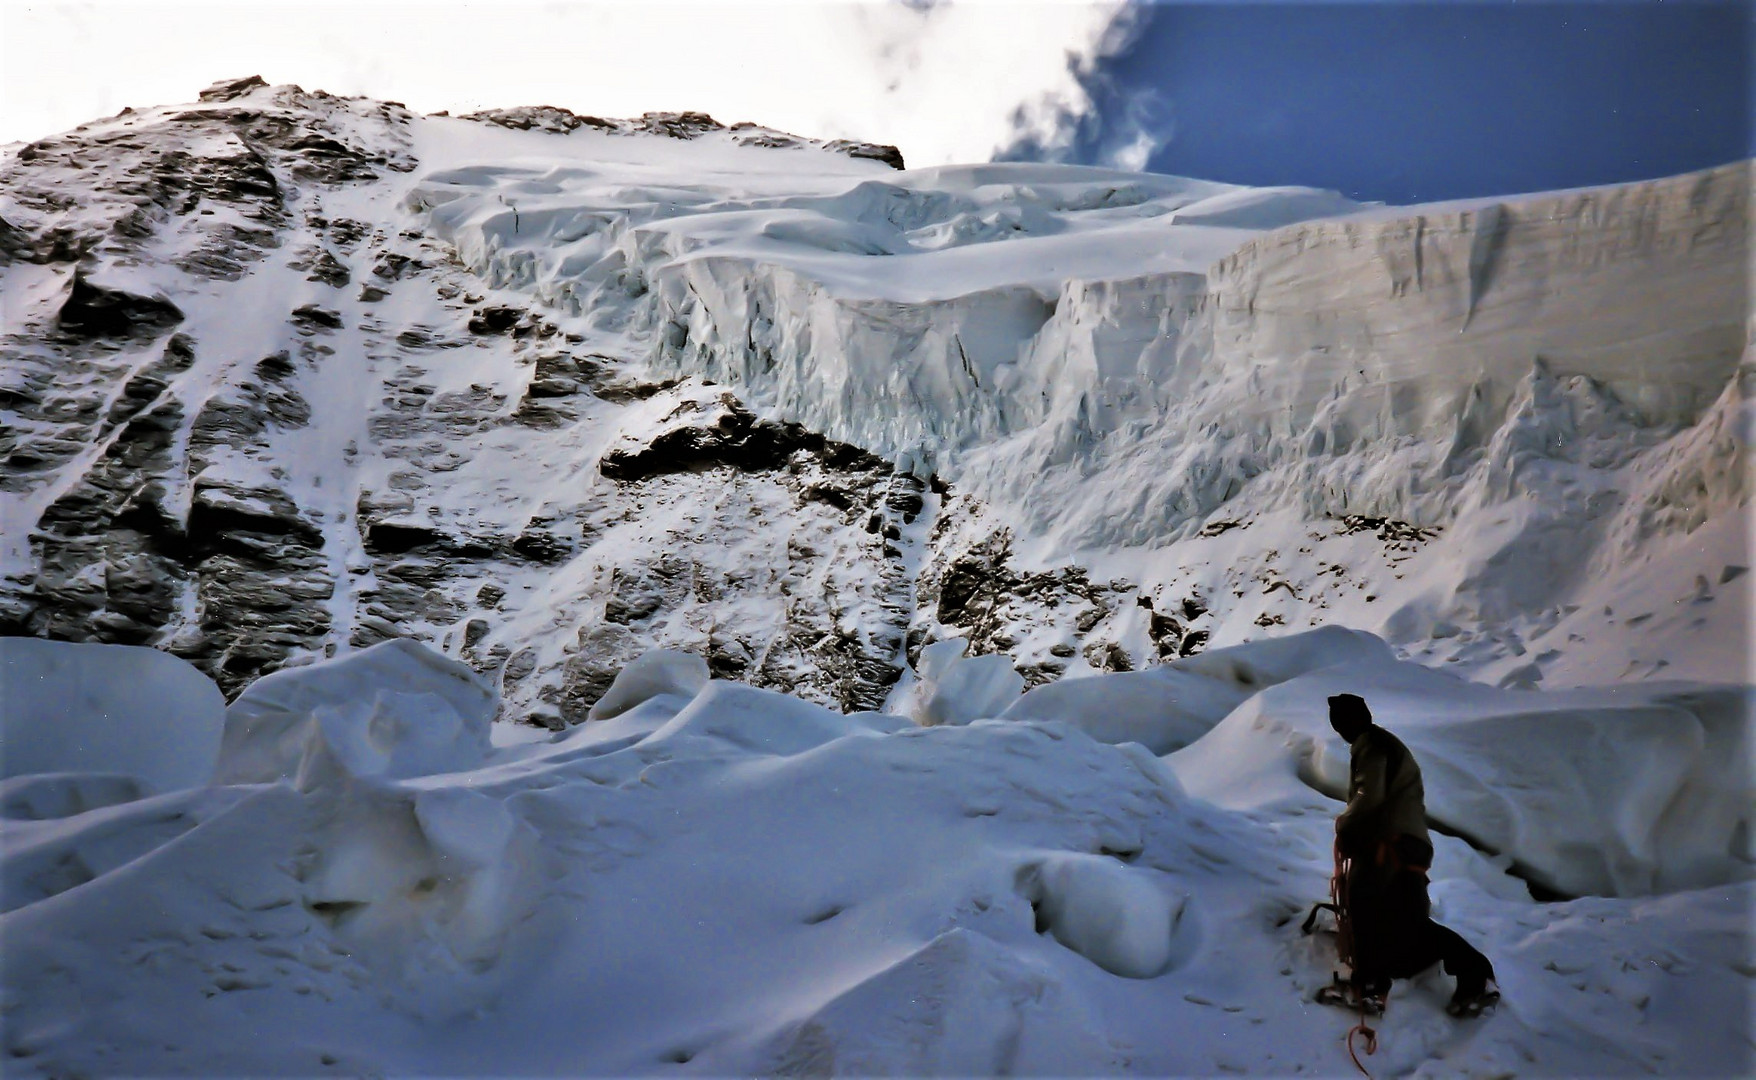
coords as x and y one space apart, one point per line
1469 1006
1344 994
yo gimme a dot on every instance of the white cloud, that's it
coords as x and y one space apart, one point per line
1144 126
946 82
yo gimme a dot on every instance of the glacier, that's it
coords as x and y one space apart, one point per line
532 593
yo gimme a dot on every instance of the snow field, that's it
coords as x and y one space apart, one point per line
723 879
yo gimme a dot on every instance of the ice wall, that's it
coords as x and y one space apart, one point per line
1067 344
1380 363
1641 287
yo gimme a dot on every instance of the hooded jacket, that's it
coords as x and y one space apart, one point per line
1385 796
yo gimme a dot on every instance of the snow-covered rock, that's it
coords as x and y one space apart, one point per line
1176 381
106 709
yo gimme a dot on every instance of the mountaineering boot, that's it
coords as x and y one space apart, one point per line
1348 995
1467 1004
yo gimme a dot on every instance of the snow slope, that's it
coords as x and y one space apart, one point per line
724 880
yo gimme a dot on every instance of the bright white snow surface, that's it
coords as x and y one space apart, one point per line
723 880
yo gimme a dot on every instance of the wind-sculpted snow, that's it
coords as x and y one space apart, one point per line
742 882
395 709
1171 705
106 709
1611 791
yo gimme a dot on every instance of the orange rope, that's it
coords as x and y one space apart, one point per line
1344 947
1344 930
1371 1039
1372 1044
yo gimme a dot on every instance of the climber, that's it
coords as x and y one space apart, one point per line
1382 836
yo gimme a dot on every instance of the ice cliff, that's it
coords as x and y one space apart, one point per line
1108 361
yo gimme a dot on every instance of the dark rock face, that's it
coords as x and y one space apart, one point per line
728 436
227 89
313 316
92 311
1166 634
550 118
889 155
975 591
675 125
494 320
105 574
118 557
239 152
325 267
152 540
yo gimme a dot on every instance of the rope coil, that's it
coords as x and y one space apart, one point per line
1371 1040
1344 949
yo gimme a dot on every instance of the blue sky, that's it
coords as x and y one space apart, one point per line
1409 102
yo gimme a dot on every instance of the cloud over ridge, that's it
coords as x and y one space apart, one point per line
946 80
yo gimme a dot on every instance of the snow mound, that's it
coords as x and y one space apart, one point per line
421 880
1162 708
960 1005
746 883
397 709
1111 914
1167 707
956 689
757 721
1619 792
59 853
1261 664
106 709
47 796
656 673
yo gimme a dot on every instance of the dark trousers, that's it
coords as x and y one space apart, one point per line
1395 937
